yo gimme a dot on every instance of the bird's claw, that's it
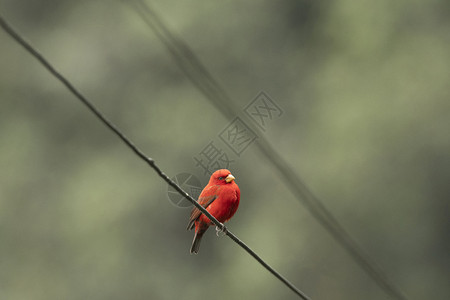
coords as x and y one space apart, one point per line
221 232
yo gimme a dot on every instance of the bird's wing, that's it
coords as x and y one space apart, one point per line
195 213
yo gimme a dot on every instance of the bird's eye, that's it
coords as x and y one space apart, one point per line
221 178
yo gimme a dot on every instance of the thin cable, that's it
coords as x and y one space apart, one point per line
192 67
8 29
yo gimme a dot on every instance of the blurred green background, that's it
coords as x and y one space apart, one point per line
364 87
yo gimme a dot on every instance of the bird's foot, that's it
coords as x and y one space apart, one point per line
221 232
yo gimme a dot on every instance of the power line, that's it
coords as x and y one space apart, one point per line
197 73
9 30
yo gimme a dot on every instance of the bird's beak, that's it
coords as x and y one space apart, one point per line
230 178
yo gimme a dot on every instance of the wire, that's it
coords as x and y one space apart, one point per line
192 67
9 30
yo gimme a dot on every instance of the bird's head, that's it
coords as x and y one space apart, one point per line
221 177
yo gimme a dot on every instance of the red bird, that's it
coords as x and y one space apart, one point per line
220 198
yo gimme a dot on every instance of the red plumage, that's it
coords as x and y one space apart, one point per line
220 198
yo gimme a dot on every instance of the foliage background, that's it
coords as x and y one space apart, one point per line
364 88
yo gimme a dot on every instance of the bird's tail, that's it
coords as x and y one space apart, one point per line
196 242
